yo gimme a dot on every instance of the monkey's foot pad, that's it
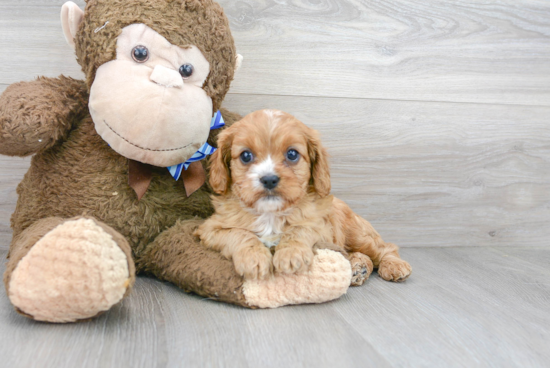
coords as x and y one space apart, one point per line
327 279
75 271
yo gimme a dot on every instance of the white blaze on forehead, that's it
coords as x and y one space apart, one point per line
273 118
261 169
272 113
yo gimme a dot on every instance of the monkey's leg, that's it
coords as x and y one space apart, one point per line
178 257
64 270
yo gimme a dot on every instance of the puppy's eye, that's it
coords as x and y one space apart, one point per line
247 157
292 155
186 70
140 54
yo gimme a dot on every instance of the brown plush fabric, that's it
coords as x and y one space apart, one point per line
84 176
176 256
36 115
182 22
230 118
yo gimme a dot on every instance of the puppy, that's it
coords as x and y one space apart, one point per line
272 177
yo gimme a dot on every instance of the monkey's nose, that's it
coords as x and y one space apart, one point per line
166 77
270 181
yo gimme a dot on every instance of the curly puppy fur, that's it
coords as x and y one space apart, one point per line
274 200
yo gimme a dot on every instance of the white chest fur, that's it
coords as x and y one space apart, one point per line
269 228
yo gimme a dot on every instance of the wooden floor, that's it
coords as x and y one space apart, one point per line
437 118
462 307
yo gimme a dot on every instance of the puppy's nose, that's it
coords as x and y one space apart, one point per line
269 181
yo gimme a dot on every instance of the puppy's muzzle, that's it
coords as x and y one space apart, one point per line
270 181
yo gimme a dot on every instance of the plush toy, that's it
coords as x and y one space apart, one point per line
116 183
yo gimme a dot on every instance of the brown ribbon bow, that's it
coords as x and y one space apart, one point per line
140 175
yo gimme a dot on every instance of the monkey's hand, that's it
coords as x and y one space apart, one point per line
35 115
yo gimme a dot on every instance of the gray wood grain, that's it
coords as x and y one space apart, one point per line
468 51
480 307
54 3
434 174
33 44
492 52
425 174
12 170
483 307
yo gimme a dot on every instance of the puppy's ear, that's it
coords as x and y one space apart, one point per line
320 171
220 172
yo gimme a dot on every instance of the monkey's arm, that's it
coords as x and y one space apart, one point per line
35 115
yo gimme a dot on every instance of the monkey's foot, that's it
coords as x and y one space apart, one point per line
328 278
74 272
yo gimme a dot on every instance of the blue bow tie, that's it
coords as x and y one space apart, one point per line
206 149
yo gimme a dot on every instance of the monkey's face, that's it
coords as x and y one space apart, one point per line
149 104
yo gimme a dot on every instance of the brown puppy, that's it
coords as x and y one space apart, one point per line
272 174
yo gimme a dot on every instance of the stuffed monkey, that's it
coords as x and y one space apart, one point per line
116 182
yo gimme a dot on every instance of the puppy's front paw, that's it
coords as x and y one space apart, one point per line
394 269
292 259
253 263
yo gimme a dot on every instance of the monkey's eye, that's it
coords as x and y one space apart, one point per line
247 157
140 54
292 155
186 70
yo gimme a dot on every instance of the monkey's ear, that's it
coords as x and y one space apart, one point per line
239 62
71 17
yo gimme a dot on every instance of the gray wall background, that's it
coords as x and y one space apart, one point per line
436 113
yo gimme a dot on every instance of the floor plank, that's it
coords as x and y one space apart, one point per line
461 307
489 52
53 3
467 51
12 170
33 39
